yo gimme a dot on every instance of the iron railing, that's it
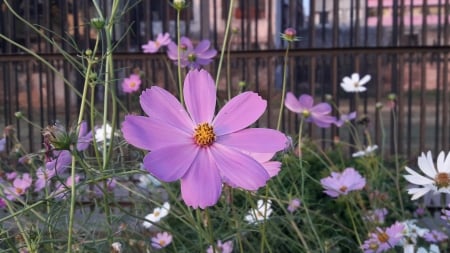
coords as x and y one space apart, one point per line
405 51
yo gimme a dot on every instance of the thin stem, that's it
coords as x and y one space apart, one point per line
397 166
229 68
19 226
283 91
180 83
355 230
225 39
210 230
72 207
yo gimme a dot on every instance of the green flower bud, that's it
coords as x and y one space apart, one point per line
98 23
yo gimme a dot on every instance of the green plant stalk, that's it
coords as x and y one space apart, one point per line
72 171
72 207
397 165
210 230
50 230
302 185
19 226
229 69
283 91
225 39
263 227
180 82
355 230
300 235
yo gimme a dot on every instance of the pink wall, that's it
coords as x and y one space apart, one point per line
416 21
374 3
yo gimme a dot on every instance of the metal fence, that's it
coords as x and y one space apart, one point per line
402 44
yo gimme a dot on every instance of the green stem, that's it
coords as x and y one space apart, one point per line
225 39
210 230
283 91
19 226
397 165
229 69
180 82
349 211
72 207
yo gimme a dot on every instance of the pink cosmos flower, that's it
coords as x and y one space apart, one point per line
19 186
10 176
131 84
294 204
60 190
161 240
318 114
153 46
198 148
435 236
376 216
382 240
226 247
191 57
43 176
345 118
84 137
342 183
61 161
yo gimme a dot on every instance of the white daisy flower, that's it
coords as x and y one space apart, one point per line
436 181
411 232
367 151
102 133
433 249
257 215
157 214
354 84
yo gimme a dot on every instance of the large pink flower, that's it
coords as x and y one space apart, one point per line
198 148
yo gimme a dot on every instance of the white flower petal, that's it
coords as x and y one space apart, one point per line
355 77
365 79
426 166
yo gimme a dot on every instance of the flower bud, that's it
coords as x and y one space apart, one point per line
328 97
179 4
242 84
289 35
57 136
18 114
98 23
88 52
392 96
379 105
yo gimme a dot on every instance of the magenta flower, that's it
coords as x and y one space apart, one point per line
435 236
345 118
19 186
43 176
318 114
197 147
382 240
161 240
191 57
131 84
342 183
226 247
153 46
84 137
61 161
10 176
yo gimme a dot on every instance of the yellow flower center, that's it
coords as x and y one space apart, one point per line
204 135
383 237
156 213
132 84
306 113
19 191
356 84
343 188
162 243
192 57
442 180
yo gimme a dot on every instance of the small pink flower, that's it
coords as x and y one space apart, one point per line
226 247
153 46
161 240
382 240
11 176
131 84
43 177
19 187
342 183
60 190
191 57
294 204
435 236
304 105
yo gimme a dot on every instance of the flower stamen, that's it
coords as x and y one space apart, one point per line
442 180
383 237
204 135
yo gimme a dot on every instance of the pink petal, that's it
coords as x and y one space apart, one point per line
272 167
306 101
240 112
202 184
240 169
322 108
292 103
149 134
187 42
207 54
170 163
260 140
202 46
159 103
200 96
